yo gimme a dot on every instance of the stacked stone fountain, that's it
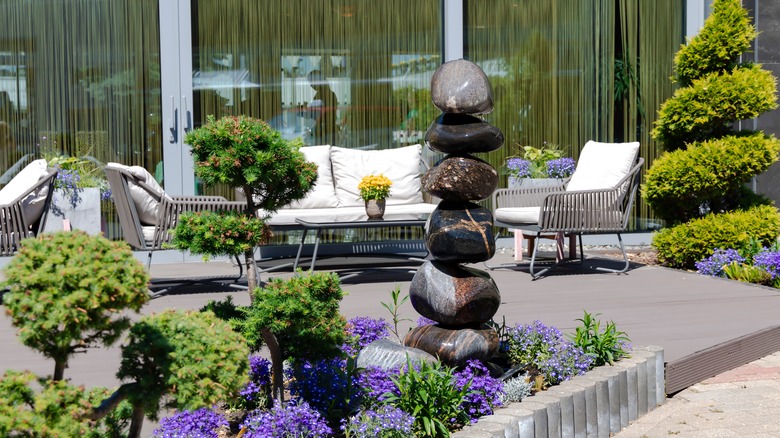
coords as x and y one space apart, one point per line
460 299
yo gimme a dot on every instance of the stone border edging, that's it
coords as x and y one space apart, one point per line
597 404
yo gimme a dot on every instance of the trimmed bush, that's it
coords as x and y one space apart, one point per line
683 245
726 34
706 108
708 176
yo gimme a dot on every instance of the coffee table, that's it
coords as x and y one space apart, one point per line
333 223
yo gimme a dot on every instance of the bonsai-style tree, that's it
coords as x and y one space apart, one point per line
247 154
706 167
178 360
69 291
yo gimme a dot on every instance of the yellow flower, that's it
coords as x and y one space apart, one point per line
374 187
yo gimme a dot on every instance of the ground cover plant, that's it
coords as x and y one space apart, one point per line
751 263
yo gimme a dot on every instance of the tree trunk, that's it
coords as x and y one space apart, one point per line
251 271
59 369
276 363
112 402
136 422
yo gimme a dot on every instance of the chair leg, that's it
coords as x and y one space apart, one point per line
625 258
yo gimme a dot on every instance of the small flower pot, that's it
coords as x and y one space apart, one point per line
375 208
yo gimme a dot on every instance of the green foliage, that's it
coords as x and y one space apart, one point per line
429 394
215 234
604 346
68 291
393 307
725 35
56 409
90 172
246 153
707 107
747 274
225 310
183 360
683 245
708 176
538 157
303 313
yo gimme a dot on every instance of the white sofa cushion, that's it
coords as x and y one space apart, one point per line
147 206
517 215
323 195
400 165
33 203
602 165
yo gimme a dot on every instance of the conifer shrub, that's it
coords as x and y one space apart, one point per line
708 176
683 245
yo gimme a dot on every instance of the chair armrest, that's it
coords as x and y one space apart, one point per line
524 197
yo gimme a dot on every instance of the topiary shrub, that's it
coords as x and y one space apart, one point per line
683 245
180 360
707 107
708 176
69 291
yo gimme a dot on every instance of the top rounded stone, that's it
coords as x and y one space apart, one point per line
461 87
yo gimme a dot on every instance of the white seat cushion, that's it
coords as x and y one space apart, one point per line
400 165
323 195
34 202
148 206
517 215
602 165
344 214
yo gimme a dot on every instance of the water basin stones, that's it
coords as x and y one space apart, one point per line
460 86
458 133
455 345
460 232
460 178
453 294
390 355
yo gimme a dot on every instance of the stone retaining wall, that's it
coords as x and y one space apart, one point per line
597 404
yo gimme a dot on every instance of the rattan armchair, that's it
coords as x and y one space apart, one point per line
24 205
556 210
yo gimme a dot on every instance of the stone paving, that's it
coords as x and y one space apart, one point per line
744 402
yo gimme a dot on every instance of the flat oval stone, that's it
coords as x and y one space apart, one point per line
460 86
460 232
455 346
390 355
452 294
460 178
456 133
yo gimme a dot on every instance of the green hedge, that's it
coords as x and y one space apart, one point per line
709 174
707 108
684 245
726 34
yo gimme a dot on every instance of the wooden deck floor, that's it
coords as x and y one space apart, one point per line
705 325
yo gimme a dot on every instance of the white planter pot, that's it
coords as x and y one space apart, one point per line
86 215
521 183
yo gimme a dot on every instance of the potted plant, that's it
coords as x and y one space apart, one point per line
374 190
538 166
79 189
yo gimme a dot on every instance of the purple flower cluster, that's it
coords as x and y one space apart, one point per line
485 391
560 167
546 349
289 420
362 331
518 167
324 384
421 321
376 383
713 265
769 261
386 422
259 381
68 181
201 423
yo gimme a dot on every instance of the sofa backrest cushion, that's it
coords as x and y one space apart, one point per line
400 165
33 203
323 195
602 165
146 204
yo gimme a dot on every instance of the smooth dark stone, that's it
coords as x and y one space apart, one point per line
461 178
390 355
460 232
456 133
460 86
453 295
455 346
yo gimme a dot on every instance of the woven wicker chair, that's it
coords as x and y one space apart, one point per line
24 205
597 199
148 216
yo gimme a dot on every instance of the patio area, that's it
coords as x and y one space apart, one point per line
705 325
